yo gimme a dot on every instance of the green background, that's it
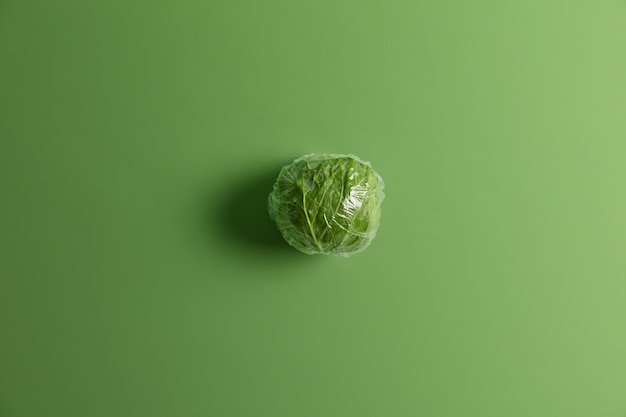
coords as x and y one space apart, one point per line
140 276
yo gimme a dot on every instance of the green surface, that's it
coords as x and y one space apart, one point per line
140 275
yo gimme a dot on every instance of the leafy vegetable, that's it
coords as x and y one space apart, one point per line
328 204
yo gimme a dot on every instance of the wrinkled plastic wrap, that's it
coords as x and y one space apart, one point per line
327 204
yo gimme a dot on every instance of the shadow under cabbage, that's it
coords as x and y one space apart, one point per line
243 218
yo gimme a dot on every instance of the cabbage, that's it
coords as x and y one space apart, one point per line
327 204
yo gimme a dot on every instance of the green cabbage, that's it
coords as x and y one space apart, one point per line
327 204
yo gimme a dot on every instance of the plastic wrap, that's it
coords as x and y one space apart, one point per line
327 204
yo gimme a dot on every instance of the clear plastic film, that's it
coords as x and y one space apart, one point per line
327 204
